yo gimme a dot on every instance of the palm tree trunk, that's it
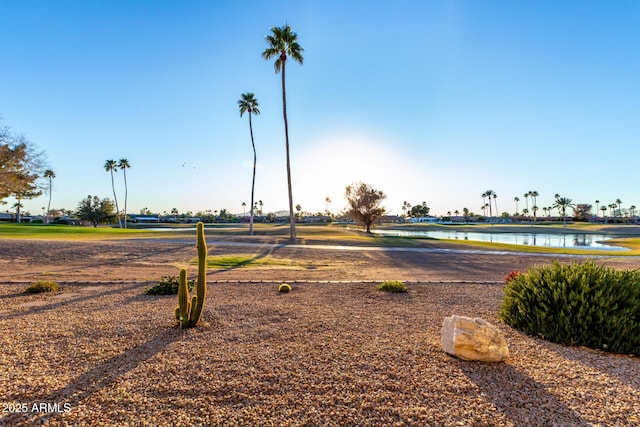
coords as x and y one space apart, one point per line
18 218
115 198
49 204
124 171
253 182
292 234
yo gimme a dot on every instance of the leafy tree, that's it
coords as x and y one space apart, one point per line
123 164
29 191
364 203
249 104
49 174
283 43
20 165
96 210
582 212
112 166
420 210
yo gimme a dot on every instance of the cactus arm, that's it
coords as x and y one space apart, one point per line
192 312
183 309
201 284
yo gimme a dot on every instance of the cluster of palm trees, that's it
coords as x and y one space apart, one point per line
562 203
282 44
615 209
489 194
113 166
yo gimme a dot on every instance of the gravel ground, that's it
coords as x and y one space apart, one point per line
101 353
325 354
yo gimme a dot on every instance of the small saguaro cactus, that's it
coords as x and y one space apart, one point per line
188 313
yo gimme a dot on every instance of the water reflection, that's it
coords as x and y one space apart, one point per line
575 241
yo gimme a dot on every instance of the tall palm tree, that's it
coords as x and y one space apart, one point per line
603 208
283 43
328 200
526 199
112 166
597 207
516 199
50 175
489 194
123 164
534 201
619 206
249 104
562 203
495 202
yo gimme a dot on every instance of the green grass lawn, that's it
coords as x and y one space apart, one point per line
238 261
337 234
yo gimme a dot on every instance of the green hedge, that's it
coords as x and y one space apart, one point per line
576 304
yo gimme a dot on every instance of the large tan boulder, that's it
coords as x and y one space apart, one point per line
473 339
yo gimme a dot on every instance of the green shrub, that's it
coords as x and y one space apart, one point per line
42 286
577 304
393 286
284 288
168 285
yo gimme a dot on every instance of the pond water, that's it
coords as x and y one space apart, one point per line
571 240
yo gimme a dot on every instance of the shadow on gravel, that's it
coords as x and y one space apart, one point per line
80 389
521 399
619 366
52 304
266 251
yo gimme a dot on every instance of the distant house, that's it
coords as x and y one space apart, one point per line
191 220
425 219
143 219
6 217
316 218
390 218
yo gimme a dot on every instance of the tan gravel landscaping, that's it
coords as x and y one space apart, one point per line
101 353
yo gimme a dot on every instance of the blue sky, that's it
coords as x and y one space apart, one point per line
434 101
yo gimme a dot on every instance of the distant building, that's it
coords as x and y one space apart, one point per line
143 219
391 219
316 218
425 219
